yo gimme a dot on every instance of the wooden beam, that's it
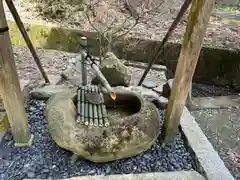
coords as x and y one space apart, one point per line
10 87
198 18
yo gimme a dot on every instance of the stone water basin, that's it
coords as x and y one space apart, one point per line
134 126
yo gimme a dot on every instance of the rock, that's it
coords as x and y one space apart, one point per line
32 108
158 89
147 94
46 92
114 70
163 102
167 88
54 79
45 171
71 82
149 84
169 74
31 175
26 89
125 137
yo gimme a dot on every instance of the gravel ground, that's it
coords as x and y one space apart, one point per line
44 159
54 62
203 90
222 127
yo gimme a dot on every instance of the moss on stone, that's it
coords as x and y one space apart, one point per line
50 37
227 8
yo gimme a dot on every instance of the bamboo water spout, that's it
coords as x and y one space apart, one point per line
87 57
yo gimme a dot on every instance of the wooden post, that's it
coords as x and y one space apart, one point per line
10 87
198 18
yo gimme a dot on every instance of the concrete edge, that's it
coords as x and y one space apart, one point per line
209 162
183 175
215 102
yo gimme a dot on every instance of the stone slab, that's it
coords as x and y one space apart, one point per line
178 175
209 162
158 89
149 84
214 102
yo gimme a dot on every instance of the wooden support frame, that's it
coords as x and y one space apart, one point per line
10 87
198 18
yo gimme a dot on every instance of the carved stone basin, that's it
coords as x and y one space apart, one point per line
134 126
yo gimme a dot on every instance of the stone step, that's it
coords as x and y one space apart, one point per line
178 175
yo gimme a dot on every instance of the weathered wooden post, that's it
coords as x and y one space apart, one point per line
198 18
10 87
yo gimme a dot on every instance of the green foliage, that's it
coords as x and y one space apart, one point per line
59 9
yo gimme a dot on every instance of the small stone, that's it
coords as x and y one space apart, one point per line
26 168
30 174
167 88
158 89
108 170
45 171
92 172
149 84
32 108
